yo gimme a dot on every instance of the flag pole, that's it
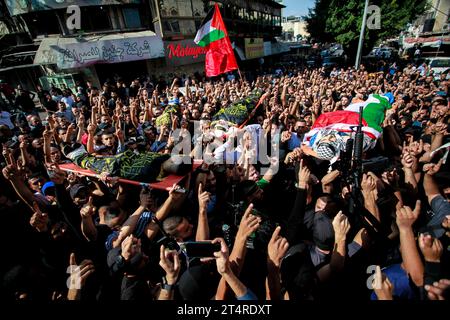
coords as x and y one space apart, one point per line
240 75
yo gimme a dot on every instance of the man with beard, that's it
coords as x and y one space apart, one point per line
294 139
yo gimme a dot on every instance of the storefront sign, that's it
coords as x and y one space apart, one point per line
80 54
16 7
183 52
254 48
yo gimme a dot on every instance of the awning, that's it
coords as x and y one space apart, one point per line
19 67
434 42
76 52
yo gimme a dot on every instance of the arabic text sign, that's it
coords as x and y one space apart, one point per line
76 55
16 7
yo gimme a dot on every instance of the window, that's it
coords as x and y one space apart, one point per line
42 23
95 19
174 8
199 8
131 18
171 26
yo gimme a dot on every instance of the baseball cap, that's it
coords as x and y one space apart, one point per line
49 184
76 189
323 232
199 283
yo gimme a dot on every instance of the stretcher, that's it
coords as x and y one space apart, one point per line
165 184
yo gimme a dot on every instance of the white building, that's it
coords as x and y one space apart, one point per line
293 28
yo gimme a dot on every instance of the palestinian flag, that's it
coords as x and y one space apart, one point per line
213 35
374 109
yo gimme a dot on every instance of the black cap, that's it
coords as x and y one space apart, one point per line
247 188
76 189
323 232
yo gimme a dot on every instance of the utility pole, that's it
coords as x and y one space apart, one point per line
361 36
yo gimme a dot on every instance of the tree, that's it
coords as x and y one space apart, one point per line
316 21
340 21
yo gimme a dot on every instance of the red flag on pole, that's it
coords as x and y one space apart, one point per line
213 35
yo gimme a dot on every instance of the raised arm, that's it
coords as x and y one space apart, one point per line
87 223
430 186
223 267
408 248
174 198
249 224
276 250
341 228
12 174
296 218
91 133
202 227
130 224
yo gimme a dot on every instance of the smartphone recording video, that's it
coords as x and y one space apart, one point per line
200 249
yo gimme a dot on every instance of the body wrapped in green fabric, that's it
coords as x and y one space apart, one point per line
144 167
238 111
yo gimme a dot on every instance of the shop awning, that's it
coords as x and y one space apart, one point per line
435 41
76 52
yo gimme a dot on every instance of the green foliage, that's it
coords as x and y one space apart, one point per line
340 21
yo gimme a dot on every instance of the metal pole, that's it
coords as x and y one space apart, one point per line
361 36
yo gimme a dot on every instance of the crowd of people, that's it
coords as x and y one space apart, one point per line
284 234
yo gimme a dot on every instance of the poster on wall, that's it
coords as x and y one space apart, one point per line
254 48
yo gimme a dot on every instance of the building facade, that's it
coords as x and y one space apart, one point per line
64 40
430 31
294 29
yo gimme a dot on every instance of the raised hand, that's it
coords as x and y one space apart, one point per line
432 168
78 275
222 262
203 197
130 247
368 184
286 136
406 216
277 248
91 128
39 220
382 287
416 148
431 248
407 161
303 176
249 223
341 227
88 210
436 291
170 262
55 173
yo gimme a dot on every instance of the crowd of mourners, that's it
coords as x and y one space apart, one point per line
285 234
